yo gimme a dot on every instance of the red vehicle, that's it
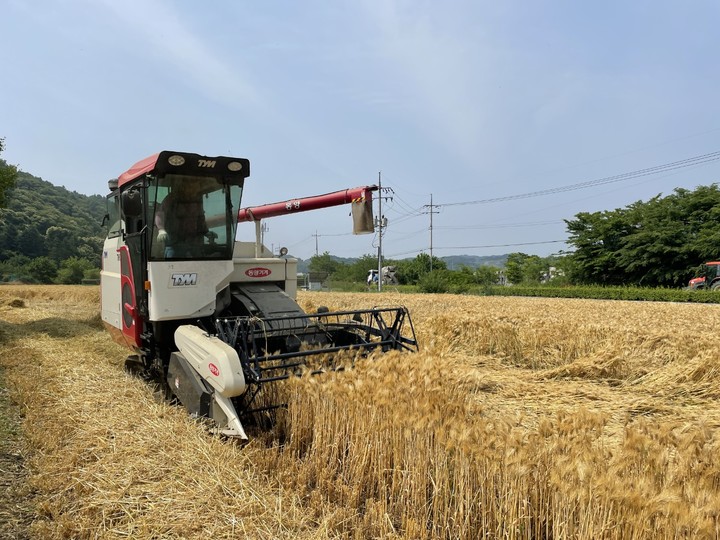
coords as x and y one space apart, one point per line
708 277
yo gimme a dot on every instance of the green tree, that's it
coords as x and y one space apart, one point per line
437 281
598 237
73 270
514 267
529 269
534 268
32 242
92 273
61 243
42 269
357 271
90 249
13 267
652 243
9 235
8 176
34 206
324 263
486 275
458 281
410 272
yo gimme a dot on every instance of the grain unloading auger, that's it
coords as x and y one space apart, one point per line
212 320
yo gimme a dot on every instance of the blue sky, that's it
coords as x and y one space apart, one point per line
462 100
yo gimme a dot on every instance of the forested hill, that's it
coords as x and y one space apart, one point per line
44 220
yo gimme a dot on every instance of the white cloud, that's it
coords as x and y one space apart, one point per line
176 45
442 71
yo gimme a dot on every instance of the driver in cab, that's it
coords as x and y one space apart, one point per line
180 222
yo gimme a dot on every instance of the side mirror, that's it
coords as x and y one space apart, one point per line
131 203
106 218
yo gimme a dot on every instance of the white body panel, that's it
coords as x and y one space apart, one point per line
185 289
249 269
110 282
216 361
234 427
188 289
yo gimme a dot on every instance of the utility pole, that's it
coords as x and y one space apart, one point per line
431 206
381 223
380 228
263 229
316 235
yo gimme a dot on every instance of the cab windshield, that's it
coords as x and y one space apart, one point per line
194 217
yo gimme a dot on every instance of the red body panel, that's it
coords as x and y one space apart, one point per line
696 282
141 167
130 317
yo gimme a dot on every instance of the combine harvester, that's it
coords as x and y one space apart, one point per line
212 320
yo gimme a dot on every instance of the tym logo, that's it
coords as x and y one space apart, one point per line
206 163
181 280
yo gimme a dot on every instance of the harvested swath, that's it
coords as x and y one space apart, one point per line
15 511
520 418
110 462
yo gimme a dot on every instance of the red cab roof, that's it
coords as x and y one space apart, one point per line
140 168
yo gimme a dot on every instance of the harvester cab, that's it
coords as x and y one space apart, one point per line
212 320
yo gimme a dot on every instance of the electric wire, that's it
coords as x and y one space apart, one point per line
498 226
406 208
421 250
684 163
406 212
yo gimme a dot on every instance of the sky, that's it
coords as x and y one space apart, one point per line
488 123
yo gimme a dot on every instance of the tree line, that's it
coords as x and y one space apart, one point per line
654 243
432 275
47 233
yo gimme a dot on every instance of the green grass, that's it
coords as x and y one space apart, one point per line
596 292
610 293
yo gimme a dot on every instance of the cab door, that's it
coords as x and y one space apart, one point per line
110 269
132 254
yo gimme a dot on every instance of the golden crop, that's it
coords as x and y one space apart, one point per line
519 418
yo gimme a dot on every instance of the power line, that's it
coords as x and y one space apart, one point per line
505 245
500 225
406 208
482 247
397 235
684 163
407 217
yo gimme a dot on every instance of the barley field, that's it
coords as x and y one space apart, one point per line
520 418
